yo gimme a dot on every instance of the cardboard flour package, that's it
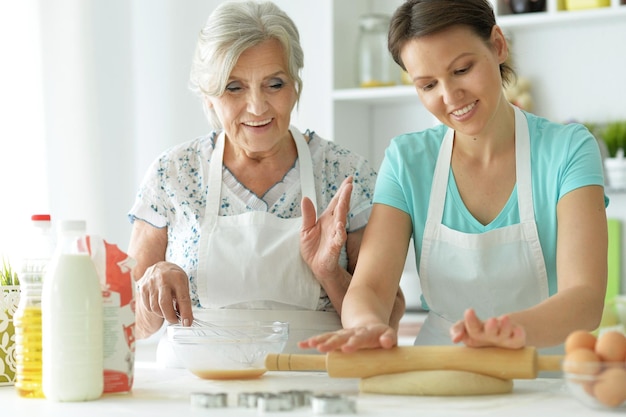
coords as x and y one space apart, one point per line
118 296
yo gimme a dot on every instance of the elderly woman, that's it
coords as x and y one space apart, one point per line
218 221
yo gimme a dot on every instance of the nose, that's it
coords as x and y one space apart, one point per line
257 102
451 92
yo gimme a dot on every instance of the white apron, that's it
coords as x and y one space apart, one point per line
249 265
495 272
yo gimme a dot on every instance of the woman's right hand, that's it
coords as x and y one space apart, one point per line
350 340
163 291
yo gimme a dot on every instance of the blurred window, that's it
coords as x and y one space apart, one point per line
23 182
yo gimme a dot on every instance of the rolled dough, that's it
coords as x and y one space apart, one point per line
438 382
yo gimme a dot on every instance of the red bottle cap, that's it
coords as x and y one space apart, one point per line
40 217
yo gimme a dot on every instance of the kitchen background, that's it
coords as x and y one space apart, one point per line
94 90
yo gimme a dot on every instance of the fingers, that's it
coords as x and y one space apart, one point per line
472 323
337 208
351 340
164 292
309 217
495 331
457 332
341 199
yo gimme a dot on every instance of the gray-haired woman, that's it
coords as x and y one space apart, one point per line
225 226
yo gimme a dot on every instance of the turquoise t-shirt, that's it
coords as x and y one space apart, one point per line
563 158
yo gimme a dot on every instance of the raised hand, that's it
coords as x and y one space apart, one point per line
321 239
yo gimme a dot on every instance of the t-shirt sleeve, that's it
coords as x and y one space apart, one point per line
389 190
583 165
151 204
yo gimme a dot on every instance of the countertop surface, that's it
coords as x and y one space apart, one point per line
167 392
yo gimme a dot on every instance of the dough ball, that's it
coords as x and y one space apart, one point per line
435 383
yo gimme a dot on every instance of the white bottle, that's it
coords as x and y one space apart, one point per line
72 321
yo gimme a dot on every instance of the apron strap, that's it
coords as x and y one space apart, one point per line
523 173
215 177
307 181
440 181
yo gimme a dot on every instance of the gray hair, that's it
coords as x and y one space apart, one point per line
232 28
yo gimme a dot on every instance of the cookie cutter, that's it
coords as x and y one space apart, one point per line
250 399
300 398
209 400
275 402
333 404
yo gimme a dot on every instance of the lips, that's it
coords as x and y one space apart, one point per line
258 123
464 110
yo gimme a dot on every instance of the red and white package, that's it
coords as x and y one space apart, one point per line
114 269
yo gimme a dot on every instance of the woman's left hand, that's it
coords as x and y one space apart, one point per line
350 340
321 239
495 331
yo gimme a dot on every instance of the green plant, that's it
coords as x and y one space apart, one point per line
7 275
614 135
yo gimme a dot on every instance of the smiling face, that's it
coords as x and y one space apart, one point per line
457 76
255 109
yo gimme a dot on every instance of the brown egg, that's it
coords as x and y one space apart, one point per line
611 346
610 387
587 386
582 362
580 339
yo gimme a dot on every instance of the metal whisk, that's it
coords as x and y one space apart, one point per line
207 325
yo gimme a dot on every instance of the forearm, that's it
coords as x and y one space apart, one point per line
147 246
581 268
363 306
336 287
550 322
398 310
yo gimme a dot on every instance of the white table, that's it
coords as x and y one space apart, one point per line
166 392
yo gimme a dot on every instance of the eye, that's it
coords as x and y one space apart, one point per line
463 70
233 87
428 87
276 84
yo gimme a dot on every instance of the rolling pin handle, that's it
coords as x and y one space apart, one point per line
296 362
549 362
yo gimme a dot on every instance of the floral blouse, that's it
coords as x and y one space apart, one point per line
173 195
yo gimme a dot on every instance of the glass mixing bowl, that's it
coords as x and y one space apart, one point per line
227 349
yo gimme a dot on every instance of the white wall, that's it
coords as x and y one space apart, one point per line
115 78
576 69
23 184
115 84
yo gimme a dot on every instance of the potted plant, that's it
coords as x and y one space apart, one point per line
614 136
9 298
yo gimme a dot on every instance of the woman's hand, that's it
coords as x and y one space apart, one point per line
495 331
351 340
163 290
321 239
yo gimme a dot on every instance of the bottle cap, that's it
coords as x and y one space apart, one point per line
40 217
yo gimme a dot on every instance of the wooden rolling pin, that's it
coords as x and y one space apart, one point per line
497 362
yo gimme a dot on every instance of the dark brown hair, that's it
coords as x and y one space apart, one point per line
416 18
